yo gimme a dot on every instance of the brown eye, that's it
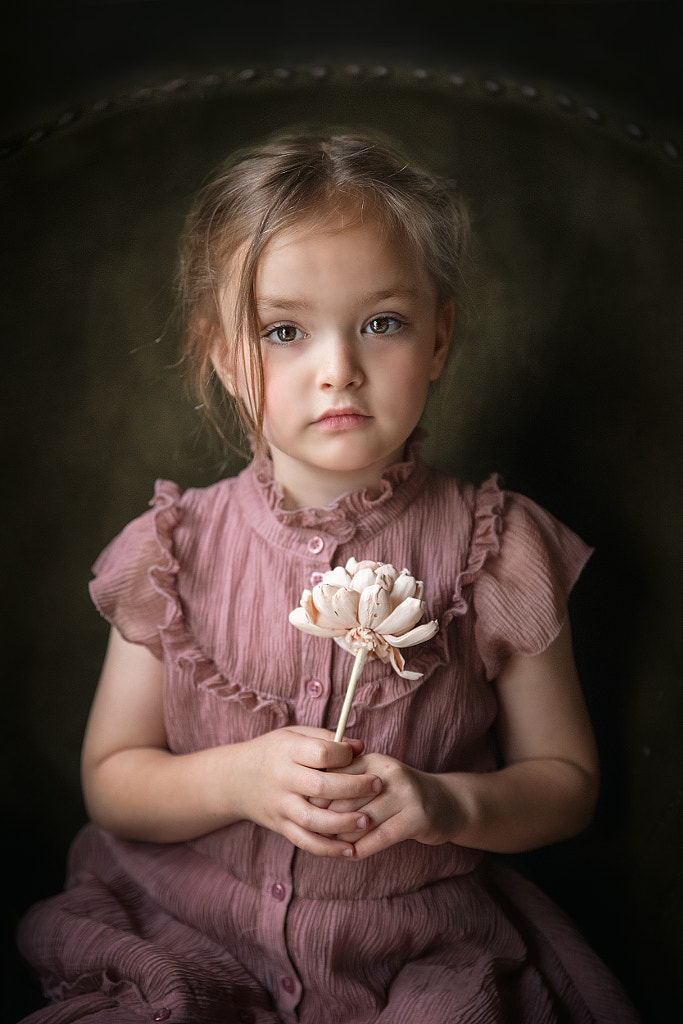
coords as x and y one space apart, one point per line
282 334
285 332
384 325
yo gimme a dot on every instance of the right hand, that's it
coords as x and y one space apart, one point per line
282 771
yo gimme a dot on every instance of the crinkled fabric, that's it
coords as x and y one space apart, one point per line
239 925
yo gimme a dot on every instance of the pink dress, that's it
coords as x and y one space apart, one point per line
239 925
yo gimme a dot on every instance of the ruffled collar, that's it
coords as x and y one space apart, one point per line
347 509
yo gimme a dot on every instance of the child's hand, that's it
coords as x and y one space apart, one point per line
288 783
412 805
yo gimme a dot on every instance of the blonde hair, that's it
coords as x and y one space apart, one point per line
275 186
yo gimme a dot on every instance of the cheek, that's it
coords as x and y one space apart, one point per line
405 380
281 406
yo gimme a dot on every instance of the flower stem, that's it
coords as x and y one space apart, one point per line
361 655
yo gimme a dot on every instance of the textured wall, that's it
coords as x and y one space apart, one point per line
568 383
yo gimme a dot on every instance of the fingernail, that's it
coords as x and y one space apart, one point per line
362 822
348 853
377 786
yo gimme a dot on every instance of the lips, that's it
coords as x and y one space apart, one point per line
341 419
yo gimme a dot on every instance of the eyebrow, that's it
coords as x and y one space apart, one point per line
268 302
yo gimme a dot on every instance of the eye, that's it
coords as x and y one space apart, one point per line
282 334
384 325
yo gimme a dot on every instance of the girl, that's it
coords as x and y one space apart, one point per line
241 865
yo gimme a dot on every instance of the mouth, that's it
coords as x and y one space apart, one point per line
341 419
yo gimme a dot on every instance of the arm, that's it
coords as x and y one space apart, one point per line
545 792
135 787
548 788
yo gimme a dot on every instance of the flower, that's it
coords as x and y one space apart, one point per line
368 605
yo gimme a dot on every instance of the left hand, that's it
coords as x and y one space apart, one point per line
412 805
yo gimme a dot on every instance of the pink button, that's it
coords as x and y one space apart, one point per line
315 545
316 578
288 985
163 1014
278 892
314 687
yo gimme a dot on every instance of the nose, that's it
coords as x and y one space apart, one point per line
340 366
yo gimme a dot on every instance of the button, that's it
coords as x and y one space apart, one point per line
316 578
278 892
315 545
163 1014
314 687
288 985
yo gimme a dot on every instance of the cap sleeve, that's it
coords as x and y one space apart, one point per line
528 563
135 574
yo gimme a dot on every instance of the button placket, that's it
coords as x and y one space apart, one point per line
278 892
314 688
316 545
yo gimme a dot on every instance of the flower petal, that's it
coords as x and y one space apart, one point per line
337 576
373 606
404 617
352 648
416 636
300 619
404 586
385 575
345 607
367 563
327 606
363 578
397 663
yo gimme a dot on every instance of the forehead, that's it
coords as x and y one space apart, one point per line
348 244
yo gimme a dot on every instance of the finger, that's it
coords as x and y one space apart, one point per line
357 746
344 806
358 766
329 786
328 823
375 840
318 802
321 846
323 747
323 754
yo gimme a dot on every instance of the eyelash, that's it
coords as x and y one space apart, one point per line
268 335
392 319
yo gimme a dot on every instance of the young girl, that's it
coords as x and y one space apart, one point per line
241 865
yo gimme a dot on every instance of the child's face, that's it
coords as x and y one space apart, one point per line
351 337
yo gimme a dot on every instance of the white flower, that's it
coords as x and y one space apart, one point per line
367 605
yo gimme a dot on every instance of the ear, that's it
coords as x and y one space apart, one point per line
222 365
445 320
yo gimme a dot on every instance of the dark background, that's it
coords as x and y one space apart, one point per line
569 384
64 54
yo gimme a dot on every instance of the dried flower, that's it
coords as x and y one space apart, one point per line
367 605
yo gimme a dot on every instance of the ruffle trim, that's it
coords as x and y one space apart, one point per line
485 542
487 526
348 508
176 636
